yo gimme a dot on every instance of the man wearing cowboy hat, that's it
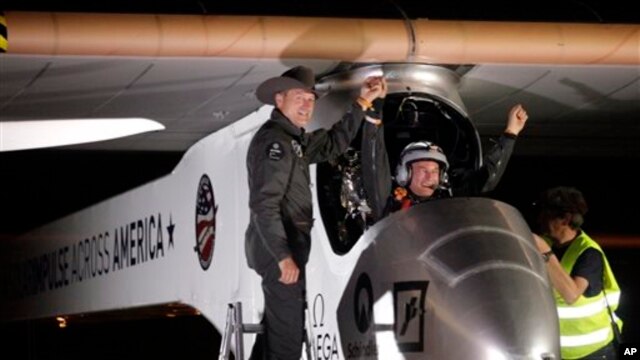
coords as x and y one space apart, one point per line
278 240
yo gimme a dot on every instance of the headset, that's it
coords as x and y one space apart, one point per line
418 151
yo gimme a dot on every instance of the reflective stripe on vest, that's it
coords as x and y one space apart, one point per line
585 326
572 312
585 339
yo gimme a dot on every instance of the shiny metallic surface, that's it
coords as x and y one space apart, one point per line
463 280
401 78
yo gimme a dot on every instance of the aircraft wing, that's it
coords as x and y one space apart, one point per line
579 81
195 74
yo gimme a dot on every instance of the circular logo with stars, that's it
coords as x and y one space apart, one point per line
205 222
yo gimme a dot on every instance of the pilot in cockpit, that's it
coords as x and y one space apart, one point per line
422 172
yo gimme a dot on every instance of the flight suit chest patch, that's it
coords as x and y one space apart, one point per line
275 151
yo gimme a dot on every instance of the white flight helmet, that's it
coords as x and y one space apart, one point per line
417 151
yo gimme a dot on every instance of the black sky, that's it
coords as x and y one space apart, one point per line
591 11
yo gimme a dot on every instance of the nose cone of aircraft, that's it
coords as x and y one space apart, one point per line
467 283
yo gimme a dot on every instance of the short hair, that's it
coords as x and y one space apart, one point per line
562 200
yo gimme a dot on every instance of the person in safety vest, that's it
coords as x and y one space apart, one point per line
585 290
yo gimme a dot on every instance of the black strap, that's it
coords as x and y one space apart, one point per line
617 336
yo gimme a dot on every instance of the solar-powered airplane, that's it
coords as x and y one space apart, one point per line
452 279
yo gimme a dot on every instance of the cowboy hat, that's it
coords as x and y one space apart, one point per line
299 77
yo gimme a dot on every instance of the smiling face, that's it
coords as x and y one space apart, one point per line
425 177
297 105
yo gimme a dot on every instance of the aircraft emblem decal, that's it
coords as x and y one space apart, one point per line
363 303
205 222
409 300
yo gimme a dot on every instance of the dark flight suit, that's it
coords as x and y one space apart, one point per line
281 216
485 179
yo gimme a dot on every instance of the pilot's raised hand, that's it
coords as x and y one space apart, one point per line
517 119
383 82
373 87
289 271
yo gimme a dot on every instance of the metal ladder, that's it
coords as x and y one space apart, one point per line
236 328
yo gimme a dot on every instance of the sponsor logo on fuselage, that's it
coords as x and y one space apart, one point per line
363 303
326 341
363 346
409 302
126 246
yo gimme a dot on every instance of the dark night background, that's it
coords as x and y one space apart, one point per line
37 187
594 11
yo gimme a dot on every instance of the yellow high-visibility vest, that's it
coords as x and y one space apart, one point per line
585 326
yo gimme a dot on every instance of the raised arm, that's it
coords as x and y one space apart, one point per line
570 288
327 144
496 159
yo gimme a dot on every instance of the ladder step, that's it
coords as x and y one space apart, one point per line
235 328
252 328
